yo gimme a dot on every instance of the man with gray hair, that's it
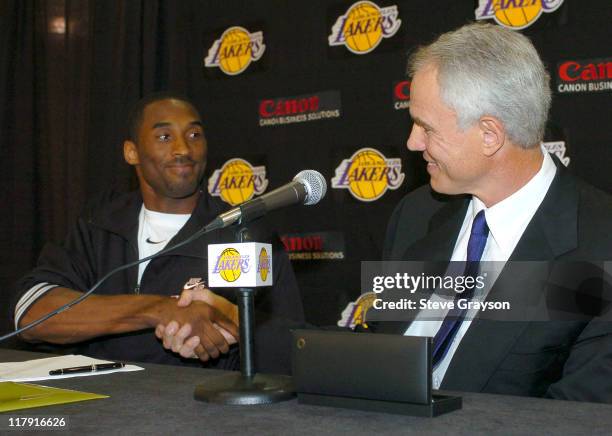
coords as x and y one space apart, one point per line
480 98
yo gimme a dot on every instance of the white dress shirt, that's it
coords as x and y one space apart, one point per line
507 220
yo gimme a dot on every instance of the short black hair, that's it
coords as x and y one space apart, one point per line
136 112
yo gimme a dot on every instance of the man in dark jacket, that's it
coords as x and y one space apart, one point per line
167 148
479 101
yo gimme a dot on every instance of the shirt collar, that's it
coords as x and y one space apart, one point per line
162 219
508 219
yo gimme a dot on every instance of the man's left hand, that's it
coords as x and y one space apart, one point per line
178 338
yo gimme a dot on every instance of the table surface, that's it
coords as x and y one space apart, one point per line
159 400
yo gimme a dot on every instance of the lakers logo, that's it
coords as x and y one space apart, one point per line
558 149
263 264
364 26
355 312
515 14
237 181
230 265
368 174
235 50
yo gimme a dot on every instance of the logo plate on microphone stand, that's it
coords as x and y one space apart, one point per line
240 265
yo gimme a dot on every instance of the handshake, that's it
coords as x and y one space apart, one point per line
198 324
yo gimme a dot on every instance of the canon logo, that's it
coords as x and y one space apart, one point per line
401 91
401 95
302 243
292 106
573 71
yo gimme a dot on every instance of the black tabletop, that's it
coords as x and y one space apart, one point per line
159 400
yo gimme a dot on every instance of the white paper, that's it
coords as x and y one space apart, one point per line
38 369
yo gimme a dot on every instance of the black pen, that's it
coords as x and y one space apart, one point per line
87 368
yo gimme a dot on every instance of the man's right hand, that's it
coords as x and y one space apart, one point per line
196 330
102 315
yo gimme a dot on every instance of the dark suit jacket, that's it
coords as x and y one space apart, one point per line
562 359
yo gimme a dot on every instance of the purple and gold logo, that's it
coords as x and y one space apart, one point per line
237 181
515 14
368 174
235 50
263 264
230 265
364 26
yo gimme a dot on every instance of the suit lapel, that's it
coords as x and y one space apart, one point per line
436 246
551 233
444 227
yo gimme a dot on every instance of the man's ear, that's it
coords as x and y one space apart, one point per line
130 153
493 134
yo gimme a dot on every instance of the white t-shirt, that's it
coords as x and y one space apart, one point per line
155 230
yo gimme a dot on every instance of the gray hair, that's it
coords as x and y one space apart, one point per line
485 69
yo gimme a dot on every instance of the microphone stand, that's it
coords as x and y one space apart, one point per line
246 387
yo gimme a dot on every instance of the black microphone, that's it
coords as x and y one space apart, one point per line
308 187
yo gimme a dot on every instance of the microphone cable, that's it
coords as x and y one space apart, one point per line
313 182
68 305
